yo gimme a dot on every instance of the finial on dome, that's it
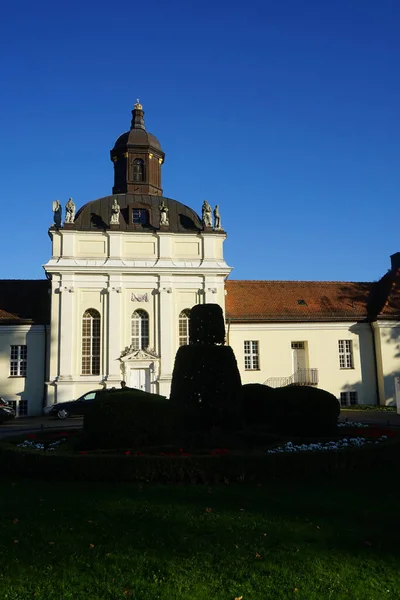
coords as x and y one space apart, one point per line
138 106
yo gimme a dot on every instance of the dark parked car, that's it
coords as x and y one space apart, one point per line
6 411
73 408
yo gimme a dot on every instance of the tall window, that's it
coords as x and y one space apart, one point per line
140 329
346 354
138 170
184 327
91 342
18 361
251 355
348 398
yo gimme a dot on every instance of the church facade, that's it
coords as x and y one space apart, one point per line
125 271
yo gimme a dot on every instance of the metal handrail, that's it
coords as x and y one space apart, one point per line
300 377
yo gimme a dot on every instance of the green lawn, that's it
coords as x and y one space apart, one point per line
308 541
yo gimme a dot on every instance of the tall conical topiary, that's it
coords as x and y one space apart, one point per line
206 380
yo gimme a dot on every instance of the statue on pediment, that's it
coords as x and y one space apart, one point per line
70 209
217 218
206 214
164 219
115 211
57 210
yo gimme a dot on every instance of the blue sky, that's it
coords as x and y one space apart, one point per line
284 113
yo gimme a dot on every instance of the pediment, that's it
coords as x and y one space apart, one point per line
131 353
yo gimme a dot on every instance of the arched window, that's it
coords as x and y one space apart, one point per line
138 170
140 330
184 327
91 342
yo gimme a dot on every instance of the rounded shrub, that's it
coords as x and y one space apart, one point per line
258 404
305 410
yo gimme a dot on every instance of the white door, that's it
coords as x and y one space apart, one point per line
140 379
299 360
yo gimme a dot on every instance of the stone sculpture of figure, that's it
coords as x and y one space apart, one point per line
115 210
70 211
57 213
164 220
217 218
207 214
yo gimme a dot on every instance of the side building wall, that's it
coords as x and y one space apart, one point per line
26 392
321 352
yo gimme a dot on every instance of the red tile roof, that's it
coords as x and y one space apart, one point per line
297 300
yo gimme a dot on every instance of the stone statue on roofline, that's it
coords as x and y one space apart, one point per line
70 209
57 210
217 218
164 219
115 211
206 214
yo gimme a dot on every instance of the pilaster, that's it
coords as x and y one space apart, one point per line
166 333
113 350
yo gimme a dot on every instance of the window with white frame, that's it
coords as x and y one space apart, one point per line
18 361
91 342
348 398
140 329
183 326
251 362
346 354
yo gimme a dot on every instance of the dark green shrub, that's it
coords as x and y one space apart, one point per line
206 324
258 404
305 410
206 386
255 468
130 418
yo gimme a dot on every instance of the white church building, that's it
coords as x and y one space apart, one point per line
125 271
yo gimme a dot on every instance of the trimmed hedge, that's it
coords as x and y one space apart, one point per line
206 387
197 469
131 418
305 410
258 404
206 324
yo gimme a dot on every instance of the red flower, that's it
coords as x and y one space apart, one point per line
219 451
127 453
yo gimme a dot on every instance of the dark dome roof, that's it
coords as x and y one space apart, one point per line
95 215
137 137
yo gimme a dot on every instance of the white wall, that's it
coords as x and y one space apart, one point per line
321 341
31 387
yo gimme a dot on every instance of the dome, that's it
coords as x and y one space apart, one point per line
96 215
137 137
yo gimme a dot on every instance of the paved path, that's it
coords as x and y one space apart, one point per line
30 424
377 417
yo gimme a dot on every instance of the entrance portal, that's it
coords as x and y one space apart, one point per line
139 379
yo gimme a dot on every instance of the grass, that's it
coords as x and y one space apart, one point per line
305 540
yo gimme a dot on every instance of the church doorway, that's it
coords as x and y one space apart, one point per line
139 379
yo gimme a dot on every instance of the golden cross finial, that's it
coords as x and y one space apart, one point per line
138 106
